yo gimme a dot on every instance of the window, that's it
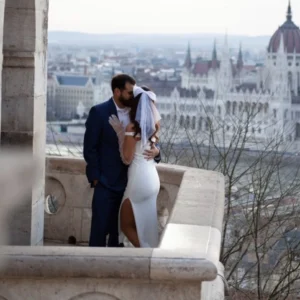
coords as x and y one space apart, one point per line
200 123
297 130
194 123
233 108
228 106
187 122
181 121
207 124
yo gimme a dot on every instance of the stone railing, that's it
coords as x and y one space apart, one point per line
69 198
184 266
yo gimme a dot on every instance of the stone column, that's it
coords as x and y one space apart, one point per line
24 104
2 3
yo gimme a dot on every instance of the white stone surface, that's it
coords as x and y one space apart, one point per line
187 255
24 102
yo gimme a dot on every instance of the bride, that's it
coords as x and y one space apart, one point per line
138 214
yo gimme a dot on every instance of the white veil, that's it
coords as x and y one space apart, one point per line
147 114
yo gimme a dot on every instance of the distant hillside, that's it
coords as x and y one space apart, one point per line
151 40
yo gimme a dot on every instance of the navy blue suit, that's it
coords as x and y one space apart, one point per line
101 153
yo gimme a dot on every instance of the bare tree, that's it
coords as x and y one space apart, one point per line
260 246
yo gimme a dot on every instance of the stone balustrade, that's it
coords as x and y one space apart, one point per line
184 266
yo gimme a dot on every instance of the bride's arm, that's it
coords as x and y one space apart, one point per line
129 143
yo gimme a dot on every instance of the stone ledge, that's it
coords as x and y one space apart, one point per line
21 262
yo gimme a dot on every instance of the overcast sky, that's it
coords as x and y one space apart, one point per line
247 17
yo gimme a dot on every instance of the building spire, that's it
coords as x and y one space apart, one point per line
240 62
214 54
188 58
289 12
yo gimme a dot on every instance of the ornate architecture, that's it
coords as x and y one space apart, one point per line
221 89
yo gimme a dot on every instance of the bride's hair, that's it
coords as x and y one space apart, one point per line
132 115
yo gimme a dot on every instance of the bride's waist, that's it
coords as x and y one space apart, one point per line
140 159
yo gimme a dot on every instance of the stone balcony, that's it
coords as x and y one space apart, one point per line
184 266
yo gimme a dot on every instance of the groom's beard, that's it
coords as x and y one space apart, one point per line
127 103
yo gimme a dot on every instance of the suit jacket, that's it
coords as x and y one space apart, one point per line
101 149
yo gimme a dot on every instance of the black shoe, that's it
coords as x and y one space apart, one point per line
121 245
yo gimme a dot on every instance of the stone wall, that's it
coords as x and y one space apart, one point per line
69 211
184 266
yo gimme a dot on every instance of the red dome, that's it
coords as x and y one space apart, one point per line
291 36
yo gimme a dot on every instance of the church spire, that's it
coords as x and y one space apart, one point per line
289 12
188 58
214 54
240 62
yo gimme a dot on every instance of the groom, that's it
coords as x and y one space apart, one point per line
105 170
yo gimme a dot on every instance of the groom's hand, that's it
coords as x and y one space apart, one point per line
150 154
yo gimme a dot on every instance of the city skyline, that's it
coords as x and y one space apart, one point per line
235 17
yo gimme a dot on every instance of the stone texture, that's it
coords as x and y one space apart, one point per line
182 265
204 239
214 289
17 174
67 181
74 166
62 262
187 255
92 289
200 201
24 102
2 3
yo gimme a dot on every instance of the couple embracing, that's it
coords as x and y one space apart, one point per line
120 149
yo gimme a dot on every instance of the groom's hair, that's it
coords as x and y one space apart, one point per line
119 81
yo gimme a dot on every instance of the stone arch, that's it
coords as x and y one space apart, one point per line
55 188
94 296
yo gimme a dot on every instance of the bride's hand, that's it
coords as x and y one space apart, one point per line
115 124
152 153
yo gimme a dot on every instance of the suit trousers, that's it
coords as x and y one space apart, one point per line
105 217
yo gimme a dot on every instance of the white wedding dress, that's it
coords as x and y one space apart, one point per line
142 191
